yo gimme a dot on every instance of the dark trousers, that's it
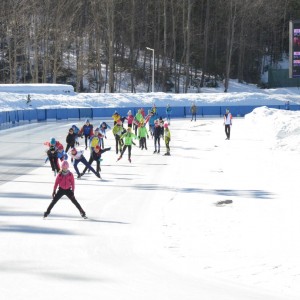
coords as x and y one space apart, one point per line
157 143
70 194
119 143
143 143
227 131
90 162
69 146
86 138
84 161
194 116
129 150
53 161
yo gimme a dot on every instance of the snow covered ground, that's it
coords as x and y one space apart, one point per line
155 230
55 96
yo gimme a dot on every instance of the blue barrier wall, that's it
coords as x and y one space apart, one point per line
40 115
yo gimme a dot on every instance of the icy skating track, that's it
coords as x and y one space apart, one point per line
154 230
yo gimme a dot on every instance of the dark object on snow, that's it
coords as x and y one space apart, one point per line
221 203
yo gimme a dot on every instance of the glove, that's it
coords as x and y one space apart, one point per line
147 136
139 137
53 195
109 148
106 137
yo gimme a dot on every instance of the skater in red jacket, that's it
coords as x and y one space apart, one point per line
66 186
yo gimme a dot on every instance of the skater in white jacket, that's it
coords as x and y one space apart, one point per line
227 123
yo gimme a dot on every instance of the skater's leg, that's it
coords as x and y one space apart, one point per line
70 195
57 196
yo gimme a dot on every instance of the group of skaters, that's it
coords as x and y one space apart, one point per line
94 140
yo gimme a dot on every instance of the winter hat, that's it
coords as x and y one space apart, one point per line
166 125
87 121
129 113
65 165
52 141
98 148
119 122
129 129
97 129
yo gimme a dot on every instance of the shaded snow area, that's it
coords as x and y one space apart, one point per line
216 220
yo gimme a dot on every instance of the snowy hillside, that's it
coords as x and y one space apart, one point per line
239 94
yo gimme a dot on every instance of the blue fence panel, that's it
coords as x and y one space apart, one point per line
90 113
209 110
177 112
85 113
73 113
62 114
41 115
98 112
21 115
26 115
51 114
12 117
33 114
2 117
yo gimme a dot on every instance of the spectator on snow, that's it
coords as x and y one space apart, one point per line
194 111
167 137
227 123
168 113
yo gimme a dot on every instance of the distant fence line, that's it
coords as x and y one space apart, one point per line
40 115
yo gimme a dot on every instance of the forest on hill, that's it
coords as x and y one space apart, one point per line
103 43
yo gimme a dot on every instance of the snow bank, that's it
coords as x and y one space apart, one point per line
37 88
280 128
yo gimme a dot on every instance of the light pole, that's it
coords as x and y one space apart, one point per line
152 67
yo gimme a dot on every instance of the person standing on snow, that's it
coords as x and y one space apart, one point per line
227 123
118 130
128 137
87 131
66 186
70 140
142 134
76 131
168 113
167 138
102 129
157 133
116 117
130 118
194 111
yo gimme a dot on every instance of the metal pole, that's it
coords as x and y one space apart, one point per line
152 67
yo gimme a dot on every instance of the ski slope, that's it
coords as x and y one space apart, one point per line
154 229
